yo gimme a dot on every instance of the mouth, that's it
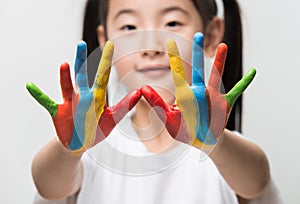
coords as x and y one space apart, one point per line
153 69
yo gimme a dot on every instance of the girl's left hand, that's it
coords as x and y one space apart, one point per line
201 112
84 119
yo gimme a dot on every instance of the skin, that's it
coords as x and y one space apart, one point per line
178 17
231 154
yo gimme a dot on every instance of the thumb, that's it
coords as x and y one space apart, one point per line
154 99
125 105
50 105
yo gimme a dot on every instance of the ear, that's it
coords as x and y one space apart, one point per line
214 33
101 36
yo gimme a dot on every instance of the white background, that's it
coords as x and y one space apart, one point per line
37 36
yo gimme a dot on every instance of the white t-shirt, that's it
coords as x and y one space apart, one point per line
120 170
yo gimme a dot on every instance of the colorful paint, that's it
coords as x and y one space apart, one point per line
83 119
202 111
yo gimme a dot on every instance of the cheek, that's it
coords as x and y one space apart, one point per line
188 72
185 50
124 66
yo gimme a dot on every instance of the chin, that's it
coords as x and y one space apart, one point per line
167 95
163 85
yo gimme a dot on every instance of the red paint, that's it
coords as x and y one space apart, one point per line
218 106
171 115
64 123
112 115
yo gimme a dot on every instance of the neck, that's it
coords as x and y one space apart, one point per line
150 128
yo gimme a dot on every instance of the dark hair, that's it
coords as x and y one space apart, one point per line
96 13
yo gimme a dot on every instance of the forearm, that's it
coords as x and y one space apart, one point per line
56 172
243 165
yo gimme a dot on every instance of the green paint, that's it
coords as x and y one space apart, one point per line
240 87
42 98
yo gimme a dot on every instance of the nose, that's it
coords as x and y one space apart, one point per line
151 53
153 44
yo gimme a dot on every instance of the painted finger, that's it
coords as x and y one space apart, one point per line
176 63
112 115
182 89
103 72
93 105
218 67
66 82
81 66
170 115
239 88
198 60
101 80
50 105
153 97
125 105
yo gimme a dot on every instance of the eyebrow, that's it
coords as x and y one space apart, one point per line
174 8
166 10
124 11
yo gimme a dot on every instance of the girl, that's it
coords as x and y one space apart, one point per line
156 168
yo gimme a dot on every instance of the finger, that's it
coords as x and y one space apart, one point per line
239 88
103 72
218 67
101 79
66 82
154 99
125 105
81 66
176 64
43 99
198 60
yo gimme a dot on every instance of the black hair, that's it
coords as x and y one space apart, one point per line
96 13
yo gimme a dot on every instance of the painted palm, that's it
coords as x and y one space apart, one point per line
84 119
201 112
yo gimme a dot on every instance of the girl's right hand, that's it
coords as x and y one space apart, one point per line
201 111
83 119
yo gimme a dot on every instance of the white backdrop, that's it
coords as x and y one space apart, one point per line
36 36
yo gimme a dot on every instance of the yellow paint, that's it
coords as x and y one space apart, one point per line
184 94
197 143
99 92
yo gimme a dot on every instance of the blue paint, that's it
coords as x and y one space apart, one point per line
198 87
86 97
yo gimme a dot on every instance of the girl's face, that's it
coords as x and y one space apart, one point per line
140 29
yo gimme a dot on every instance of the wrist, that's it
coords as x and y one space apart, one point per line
67 152
213 149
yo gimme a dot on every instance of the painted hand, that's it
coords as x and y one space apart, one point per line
83 119
204 110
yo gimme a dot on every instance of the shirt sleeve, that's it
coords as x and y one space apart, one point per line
38 199
271 195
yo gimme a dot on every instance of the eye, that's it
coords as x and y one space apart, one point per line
128 27
173 24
